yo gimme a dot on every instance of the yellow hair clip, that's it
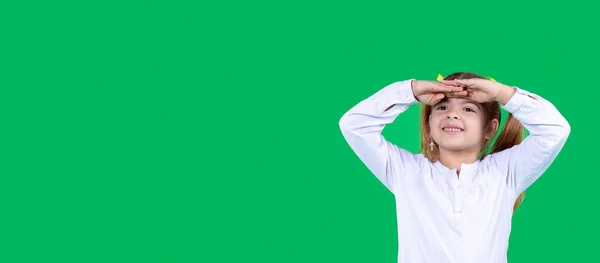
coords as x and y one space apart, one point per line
440 77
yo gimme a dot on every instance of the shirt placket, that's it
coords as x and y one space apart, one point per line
457 189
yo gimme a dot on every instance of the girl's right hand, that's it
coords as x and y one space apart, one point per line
432 92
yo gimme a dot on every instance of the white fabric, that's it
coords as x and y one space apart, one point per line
442 217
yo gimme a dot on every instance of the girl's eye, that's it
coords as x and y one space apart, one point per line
441 107
469 109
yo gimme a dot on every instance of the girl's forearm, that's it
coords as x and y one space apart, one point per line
505 94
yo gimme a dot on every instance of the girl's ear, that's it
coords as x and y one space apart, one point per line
493 127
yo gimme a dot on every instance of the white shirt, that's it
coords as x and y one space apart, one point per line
444 218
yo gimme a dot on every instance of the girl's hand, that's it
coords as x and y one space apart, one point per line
483 90
431 92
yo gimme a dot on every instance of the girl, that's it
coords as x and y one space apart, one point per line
454 202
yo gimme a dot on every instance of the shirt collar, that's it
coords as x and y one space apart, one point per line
463 167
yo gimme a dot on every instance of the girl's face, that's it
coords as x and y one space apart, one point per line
457 124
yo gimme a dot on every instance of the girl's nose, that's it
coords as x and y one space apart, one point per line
452 116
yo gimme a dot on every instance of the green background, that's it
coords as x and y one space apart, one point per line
170 131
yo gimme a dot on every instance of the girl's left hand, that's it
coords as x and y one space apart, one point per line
479 90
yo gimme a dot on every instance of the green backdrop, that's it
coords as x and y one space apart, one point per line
170 131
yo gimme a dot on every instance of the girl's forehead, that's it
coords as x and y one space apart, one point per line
458 101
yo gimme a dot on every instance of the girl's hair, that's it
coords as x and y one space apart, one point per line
511 134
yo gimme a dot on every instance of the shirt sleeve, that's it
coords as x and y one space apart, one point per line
362 126
548 130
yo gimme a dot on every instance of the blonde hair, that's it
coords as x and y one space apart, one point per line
510 135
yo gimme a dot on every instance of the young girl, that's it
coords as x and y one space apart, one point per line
454 202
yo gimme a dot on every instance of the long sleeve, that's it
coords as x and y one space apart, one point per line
548 132
362 128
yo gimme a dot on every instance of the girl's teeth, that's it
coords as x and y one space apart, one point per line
452 129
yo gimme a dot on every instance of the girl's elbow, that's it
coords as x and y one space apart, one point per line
345 122
565 129
555 137
560 135
561 129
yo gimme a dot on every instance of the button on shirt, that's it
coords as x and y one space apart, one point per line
442 217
